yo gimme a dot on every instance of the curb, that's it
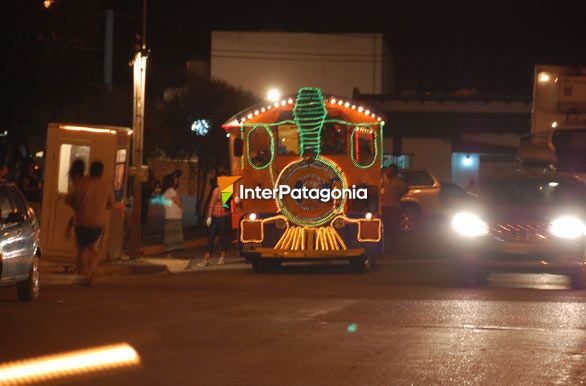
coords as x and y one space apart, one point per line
54 273
160 248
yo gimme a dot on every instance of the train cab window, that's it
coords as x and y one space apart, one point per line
259 146
237 149
287 140
364 149
333 139
67 154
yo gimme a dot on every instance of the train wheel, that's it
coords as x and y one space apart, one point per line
362 264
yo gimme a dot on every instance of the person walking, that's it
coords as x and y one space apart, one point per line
173 215
76 173
218 220
393 189
91 201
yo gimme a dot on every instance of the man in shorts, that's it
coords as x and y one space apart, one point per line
91 200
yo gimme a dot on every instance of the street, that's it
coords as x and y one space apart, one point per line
404 323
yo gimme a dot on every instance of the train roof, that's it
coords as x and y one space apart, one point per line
339 108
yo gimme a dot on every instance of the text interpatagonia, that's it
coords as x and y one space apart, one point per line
323 194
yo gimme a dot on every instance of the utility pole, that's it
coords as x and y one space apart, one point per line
139 65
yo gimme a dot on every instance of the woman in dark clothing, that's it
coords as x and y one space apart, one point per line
29 181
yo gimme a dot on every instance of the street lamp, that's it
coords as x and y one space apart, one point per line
273 95
139 65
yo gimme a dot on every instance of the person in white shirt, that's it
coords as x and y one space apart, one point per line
173 216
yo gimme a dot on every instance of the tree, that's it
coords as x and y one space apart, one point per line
168 125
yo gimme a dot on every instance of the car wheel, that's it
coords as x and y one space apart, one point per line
577 279
409 219
362 264
29 289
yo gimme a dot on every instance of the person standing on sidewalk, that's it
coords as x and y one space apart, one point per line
173 205
91 201
393 189
76 175
218 220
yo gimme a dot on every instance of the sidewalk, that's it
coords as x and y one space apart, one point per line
54 271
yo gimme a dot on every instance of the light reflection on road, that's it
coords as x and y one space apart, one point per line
65 365
529 280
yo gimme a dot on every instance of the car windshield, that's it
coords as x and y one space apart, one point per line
534 191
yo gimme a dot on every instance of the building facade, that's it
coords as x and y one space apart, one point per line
456 137
336 63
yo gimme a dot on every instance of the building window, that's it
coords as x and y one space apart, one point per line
67 154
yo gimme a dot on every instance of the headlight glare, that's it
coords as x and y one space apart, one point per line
469 225
567 227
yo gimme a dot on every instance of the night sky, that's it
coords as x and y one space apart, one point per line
437 45
50 56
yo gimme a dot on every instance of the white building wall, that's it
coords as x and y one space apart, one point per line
336 63
557 91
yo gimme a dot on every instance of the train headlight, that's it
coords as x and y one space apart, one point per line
252 216
567 227
469 225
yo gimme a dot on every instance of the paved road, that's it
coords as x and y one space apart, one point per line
319 325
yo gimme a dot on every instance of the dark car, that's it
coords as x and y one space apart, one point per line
523 221
19 243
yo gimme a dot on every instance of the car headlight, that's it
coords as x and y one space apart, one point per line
567 227
469 225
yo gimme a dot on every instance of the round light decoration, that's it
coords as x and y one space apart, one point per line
200 127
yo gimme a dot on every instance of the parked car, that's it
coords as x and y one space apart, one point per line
19 243
427 198
523 221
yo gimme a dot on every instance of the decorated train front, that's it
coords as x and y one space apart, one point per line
310 177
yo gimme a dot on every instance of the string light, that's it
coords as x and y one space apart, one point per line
330 165
262 222
309 114
332 100
271 147
367 131
360 222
